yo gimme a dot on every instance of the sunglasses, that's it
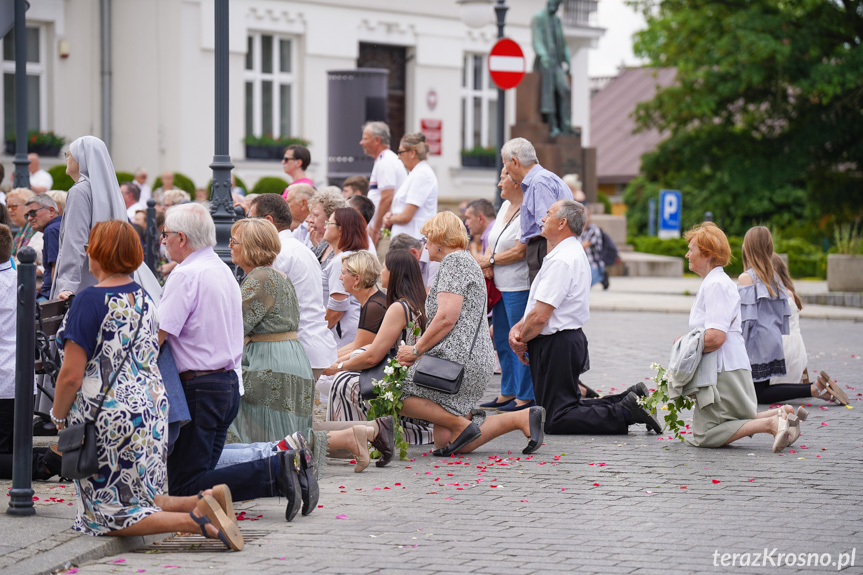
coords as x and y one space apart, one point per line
287 159
32 213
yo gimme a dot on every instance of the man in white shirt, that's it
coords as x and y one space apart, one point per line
388 172
132 198
40 180
301 266
141 180
557 308
298 198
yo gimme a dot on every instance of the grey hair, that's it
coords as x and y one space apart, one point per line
404 242
574 214
521 150
195 222
303 190
330 197
379 130
44 201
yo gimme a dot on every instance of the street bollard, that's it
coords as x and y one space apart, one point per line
151 238
708 216
21 494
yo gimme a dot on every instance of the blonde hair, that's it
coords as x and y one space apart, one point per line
258 239
364 265
416 141
22 194
446 229
758 255
59 198
711 242
177 196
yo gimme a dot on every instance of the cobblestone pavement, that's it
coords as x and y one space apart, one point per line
606 504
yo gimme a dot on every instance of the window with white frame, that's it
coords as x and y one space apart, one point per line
36 81
478 103
270 79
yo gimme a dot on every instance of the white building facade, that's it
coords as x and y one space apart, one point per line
159 113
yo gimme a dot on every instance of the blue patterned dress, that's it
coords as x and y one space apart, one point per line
133 425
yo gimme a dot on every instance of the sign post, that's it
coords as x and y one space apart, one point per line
670 208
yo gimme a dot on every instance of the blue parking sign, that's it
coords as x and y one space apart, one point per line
670 208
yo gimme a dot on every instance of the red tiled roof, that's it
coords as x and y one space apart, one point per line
618 150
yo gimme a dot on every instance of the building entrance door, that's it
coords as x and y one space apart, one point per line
394 59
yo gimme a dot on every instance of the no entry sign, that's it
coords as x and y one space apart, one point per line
506 64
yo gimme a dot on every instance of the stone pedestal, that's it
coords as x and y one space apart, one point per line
561 154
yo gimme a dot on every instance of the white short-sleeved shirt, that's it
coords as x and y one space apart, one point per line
303 269
563 282
387 173
41 179
717 306
302 235
503 236
333 285
419 189
8 318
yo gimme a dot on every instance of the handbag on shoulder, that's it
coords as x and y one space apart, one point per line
440 374
78 443
367 386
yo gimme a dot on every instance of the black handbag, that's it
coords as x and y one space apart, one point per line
78 443
367 386
440 374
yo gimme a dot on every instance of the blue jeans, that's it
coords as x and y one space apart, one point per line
213 402
596 274
235 453
515 376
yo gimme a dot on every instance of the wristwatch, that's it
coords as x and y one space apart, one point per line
339 366
416 353
491 260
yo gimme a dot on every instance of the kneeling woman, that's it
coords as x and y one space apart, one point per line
717 310
109 345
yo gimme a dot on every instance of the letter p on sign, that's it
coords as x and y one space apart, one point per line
670 204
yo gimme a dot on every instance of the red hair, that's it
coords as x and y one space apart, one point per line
353 235
116 246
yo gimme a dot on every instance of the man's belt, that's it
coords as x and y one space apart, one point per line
187 375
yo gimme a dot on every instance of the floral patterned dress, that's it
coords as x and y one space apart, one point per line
460 274
133 425
277 378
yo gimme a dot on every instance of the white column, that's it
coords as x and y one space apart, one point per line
580 87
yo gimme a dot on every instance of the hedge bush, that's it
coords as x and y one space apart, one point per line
180 181
123 177
269 185
61 180
804 258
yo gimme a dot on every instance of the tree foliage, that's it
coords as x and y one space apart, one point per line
765 119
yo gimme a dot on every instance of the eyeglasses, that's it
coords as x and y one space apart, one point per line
329 223
400 152
232 242
32 213
164 234
13 207
287 159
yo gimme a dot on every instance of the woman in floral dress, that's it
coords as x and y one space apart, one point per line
125 496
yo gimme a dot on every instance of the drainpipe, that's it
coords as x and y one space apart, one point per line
105 36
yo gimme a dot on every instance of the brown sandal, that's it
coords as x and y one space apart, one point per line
832 388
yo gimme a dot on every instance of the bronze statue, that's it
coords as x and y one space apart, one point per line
552 63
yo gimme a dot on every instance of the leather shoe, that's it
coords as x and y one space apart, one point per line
385 440
494 404
471 433
638 413
639 389
537 429
288 483
513 406
308 483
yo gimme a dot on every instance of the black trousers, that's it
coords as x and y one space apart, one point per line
7 435
766 393
556 362
537 247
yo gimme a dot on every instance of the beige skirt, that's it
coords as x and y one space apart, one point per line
715 424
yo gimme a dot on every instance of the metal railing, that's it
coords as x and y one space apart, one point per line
579 12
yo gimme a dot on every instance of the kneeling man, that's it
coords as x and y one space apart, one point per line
550 340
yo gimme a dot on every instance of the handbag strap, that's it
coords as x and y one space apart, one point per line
482 319
497 241
125 357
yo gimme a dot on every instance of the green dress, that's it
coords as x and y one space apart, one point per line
277 377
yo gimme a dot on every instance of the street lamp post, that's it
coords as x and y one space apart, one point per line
221 202
476 14
22 173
